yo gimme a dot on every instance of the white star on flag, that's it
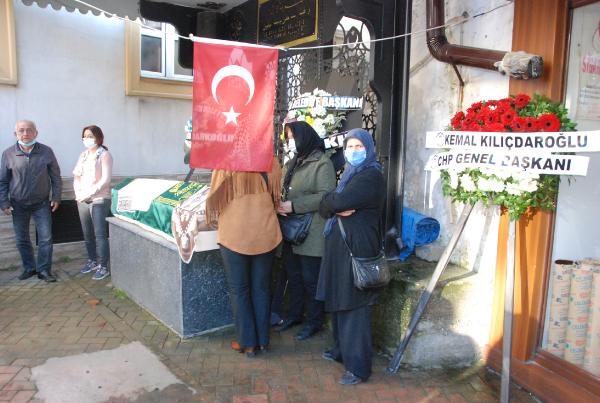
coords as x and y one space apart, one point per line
231 116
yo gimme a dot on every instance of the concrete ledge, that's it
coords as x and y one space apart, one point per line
442 336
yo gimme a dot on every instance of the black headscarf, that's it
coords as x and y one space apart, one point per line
307 140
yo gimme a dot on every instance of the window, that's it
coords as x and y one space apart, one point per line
159 52
8 48
151 67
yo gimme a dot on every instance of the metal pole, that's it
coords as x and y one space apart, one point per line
189 175
509 289
426 295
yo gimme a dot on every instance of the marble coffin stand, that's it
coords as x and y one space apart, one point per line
190 299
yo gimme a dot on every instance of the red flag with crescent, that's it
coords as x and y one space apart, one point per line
234 95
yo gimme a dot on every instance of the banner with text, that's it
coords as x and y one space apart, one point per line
584 141
551 164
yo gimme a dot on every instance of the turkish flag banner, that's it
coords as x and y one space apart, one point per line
234 96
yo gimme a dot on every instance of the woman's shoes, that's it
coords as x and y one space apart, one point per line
236 346
307 332
249 351
349 379
329 355
288 324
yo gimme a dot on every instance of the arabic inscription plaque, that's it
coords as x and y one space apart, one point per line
287 22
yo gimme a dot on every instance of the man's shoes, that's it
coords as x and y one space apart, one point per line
27 274
306 332
329 356
101 273
47 277
90 266
288 324
349 379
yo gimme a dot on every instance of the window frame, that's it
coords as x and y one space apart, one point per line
8 45
138 84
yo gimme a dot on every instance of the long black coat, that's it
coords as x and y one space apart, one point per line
365 193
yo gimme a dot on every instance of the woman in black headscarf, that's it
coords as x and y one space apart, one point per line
308 176
357 201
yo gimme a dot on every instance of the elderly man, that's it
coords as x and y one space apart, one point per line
29 175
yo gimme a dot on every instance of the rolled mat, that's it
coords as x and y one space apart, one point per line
591 359
578 315
559 306
417 230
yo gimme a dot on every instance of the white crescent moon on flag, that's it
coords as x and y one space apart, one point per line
233 70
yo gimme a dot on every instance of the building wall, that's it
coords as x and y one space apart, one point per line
434 95
71 74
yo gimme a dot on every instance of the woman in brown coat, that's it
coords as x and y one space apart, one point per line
243 204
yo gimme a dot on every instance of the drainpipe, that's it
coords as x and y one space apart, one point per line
516 64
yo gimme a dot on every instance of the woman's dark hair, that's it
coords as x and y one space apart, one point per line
98 135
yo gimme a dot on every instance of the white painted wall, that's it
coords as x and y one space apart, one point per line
433 100
71 74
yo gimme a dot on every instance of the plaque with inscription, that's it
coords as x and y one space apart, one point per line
287 22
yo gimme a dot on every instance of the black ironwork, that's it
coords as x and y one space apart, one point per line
380 71
303 70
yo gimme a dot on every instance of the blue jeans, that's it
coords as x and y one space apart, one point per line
95 230
249 278
21 215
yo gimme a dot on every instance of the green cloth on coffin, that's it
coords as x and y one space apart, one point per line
161 208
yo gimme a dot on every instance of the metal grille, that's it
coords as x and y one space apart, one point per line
301 71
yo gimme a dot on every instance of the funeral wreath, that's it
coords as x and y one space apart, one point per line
323 121
514 189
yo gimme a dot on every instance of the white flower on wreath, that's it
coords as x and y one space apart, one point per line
329 119
528 185
498 172
319 127
301 118
318 111
467 183
513 189
490 185
524 175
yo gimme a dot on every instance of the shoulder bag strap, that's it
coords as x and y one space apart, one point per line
344 235
339 220
266 179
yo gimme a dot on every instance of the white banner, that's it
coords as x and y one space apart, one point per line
550 164
585 141
327 101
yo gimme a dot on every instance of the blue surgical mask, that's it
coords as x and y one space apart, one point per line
355 158
32 142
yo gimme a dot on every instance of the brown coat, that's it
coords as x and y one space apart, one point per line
246 210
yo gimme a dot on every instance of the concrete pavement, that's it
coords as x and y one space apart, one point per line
47 329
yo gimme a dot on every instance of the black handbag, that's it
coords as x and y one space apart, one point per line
369 272
294 227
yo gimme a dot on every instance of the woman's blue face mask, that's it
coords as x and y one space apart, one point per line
355 157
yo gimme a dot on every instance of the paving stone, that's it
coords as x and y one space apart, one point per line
7 395
23 396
